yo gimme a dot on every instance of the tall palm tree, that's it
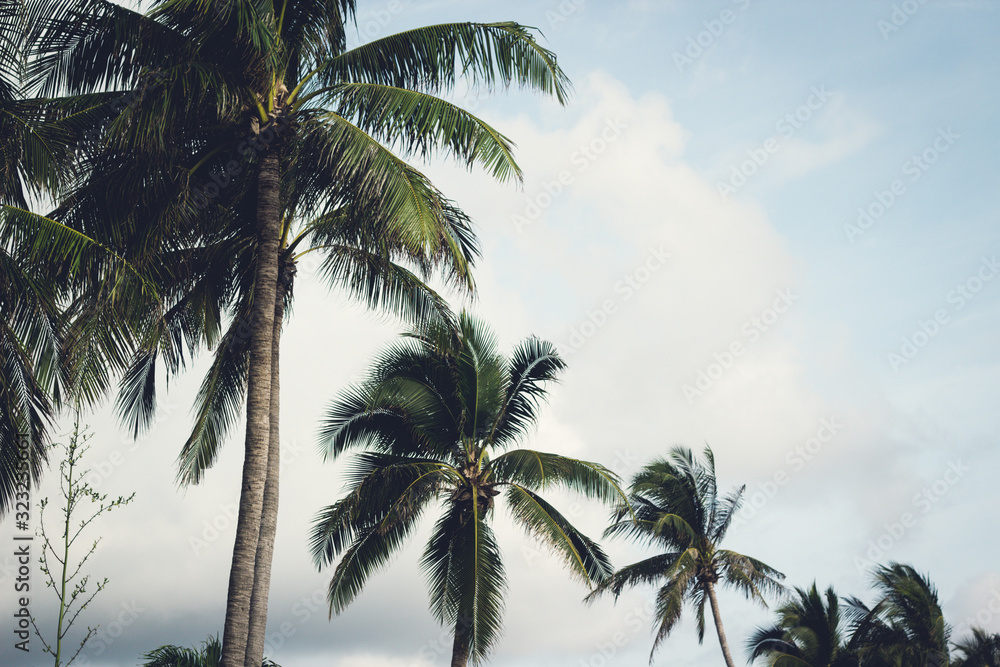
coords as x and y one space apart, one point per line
905 627
314 114
808 633
981 649
673 504
438 420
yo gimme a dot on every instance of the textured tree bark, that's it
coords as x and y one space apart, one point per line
723 642
269 512
241 574
460 647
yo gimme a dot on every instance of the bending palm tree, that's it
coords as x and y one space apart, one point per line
673 504
437 418
906 627
808 634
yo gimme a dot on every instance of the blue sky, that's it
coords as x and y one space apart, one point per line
883 442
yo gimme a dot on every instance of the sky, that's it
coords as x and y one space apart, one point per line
768 227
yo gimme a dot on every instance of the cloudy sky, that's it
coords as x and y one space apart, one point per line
766 226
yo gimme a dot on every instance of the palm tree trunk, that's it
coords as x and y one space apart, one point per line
269 512
241 574
460 647
723 642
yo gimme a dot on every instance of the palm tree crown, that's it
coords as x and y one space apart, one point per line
438 419
905 627
673 504
808 633
980 649
210 655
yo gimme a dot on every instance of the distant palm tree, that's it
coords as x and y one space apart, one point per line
673 504
982 649
439 418
808 633
906 627
210 655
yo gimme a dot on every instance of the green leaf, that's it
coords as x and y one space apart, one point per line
584 557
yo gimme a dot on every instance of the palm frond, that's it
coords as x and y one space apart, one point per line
648 571
370 551
418 123
541 470
433 58
380 284
680 582
220 399
401 408
533 365
583 556
385 490
748 575
340 167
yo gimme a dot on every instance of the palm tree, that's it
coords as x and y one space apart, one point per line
674 504
314 114
982 649
808 633
39 258
905 627
210 655
438 420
